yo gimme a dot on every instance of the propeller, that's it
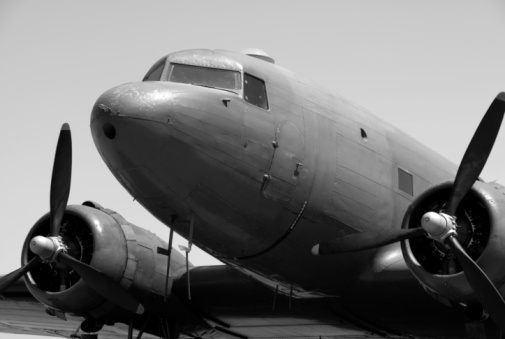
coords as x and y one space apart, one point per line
60 179
366 240
52 249
12 277
442 226
102 284
486 292
469 170
477 152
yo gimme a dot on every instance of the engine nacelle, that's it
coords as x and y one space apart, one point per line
103 239
481 232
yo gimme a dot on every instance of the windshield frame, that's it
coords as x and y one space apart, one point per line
158 66
237 77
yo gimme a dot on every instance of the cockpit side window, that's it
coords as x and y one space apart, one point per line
254 91
154 74
205 76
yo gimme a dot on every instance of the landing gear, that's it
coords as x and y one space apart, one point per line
91 325
168 330
89 336
486 329
478 325
161 326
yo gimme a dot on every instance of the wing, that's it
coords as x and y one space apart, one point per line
240 307
232 304
21 313
226 303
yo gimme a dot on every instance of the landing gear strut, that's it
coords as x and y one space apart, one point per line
478 325
89 336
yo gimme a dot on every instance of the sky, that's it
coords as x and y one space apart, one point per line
431 68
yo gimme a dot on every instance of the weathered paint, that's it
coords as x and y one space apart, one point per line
124 252
247 173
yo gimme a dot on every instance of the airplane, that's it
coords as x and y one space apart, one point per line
329 221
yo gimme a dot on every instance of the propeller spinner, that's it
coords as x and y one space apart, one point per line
52 248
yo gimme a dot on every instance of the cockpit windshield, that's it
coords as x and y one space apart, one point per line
205 76
154 74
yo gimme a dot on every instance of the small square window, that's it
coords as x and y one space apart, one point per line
405 182
255 92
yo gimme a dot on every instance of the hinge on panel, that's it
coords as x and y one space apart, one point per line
264 184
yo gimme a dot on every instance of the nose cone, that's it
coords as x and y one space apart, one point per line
143 100
129 121
42 246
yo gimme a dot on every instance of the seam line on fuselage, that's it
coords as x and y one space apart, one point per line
278 241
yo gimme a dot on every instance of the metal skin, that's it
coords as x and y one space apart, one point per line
260 188
265 185
454 288
124 252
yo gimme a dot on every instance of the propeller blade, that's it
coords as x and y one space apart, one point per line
60 180
477 152
12 277
102 284
486 292
366 240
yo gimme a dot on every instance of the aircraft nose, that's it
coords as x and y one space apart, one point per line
144 100
129 121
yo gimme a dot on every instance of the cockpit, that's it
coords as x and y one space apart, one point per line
220 74
154 73
205 76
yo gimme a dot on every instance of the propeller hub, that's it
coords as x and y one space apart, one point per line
439 226
47 248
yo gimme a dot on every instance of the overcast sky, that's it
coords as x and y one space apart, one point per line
430 68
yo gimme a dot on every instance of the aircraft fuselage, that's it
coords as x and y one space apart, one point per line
268 166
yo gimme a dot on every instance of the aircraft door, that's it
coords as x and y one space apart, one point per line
280 183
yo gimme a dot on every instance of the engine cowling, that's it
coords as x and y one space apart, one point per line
481 232
103 239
